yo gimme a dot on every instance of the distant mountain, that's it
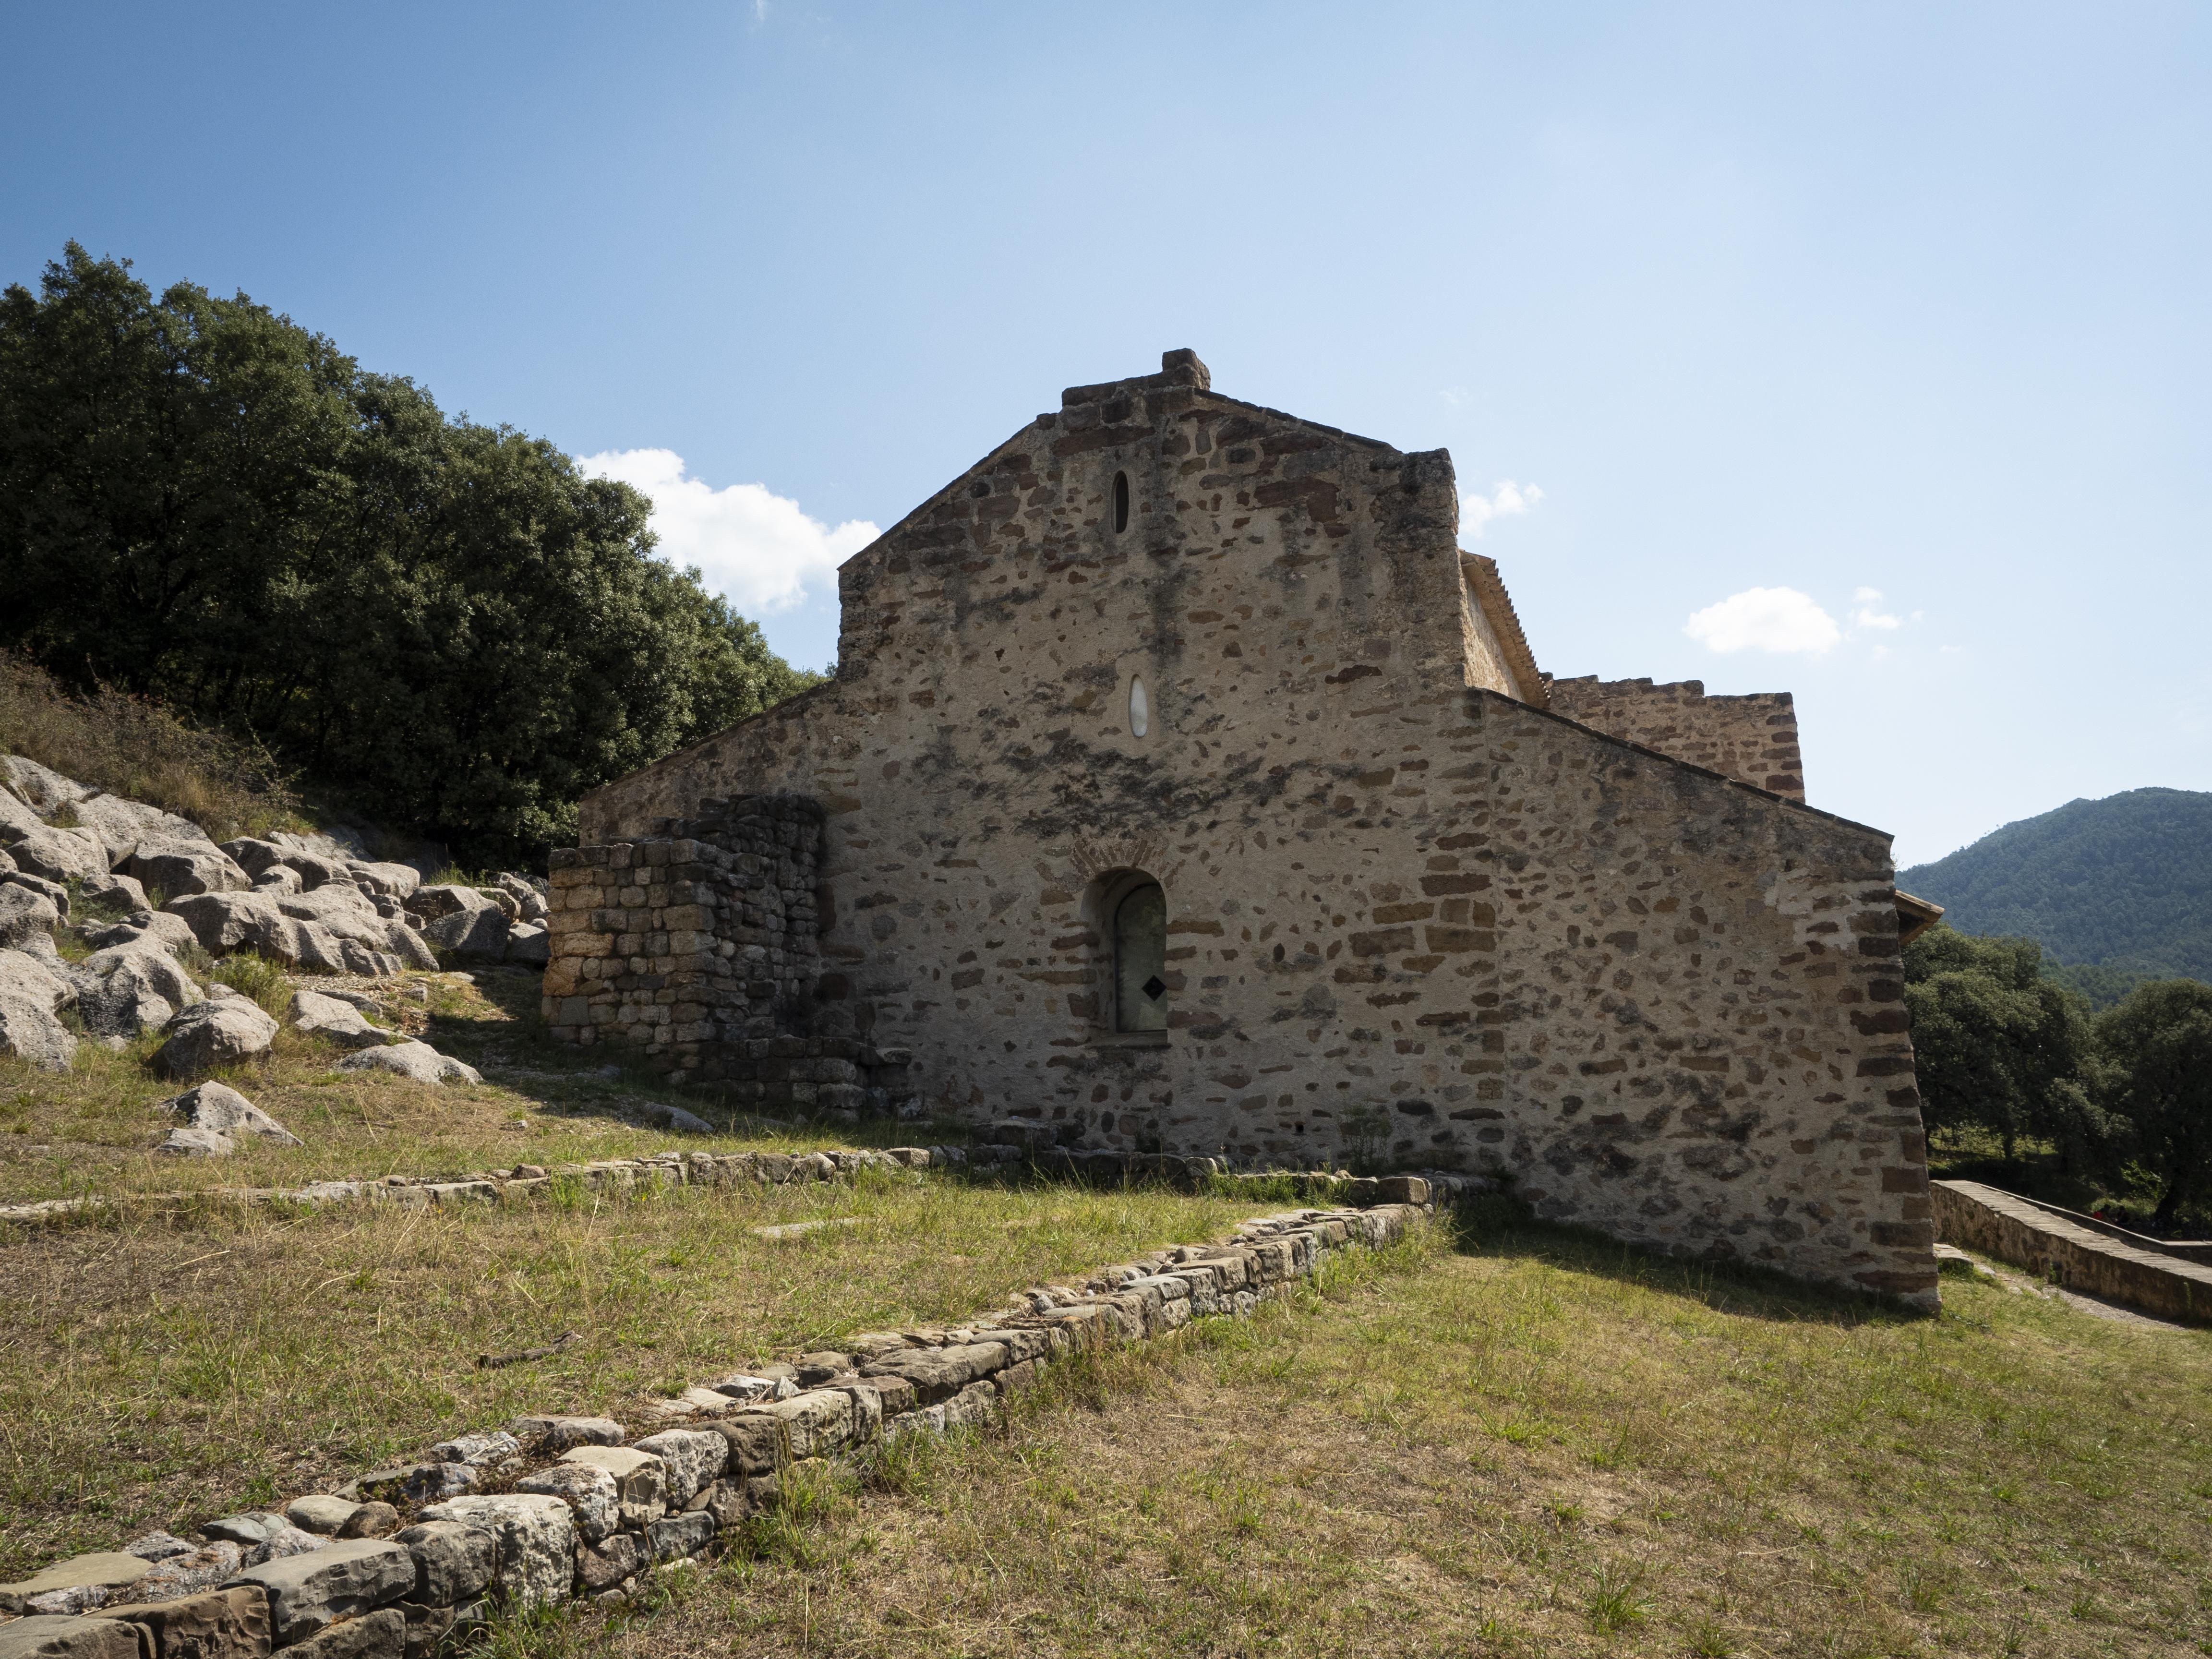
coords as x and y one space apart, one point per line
2122 887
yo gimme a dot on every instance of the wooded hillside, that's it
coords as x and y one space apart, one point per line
2122 884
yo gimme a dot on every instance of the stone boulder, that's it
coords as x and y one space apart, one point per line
179 866
123 826
430 904
157 928
212 1034
529 944
417 1061
26 978
209 1121
277 880
256 857
46 790
52 891
31 1033
131 987
39 848
529 903
23 913
332 938
393 880
123 892
339 1022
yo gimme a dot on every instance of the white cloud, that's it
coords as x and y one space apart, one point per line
1776 619
756 548
1867 617
1506 501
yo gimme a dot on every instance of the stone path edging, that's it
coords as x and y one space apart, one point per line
2013 1229
526 1180
588 1507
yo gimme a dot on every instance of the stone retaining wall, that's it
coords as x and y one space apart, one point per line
556 1507
2011 1229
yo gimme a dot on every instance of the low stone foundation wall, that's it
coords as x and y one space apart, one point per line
558 1507
2011 1229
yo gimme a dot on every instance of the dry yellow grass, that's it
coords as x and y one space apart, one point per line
1534 1444
138 749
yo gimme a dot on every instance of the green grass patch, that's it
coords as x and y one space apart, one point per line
160 1370
1531 1441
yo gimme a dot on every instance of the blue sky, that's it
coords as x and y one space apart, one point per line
1810 303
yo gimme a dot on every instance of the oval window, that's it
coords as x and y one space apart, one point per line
1121 503
1141 710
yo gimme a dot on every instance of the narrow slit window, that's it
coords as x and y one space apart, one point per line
1121 503
1141 710
1140 960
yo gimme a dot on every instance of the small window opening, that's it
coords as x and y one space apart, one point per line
1141 710
1140 960
1121 503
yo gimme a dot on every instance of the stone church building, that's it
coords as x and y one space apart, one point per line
1184 786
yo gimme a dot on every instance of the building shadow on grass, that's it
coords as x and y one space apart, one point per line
1499 1226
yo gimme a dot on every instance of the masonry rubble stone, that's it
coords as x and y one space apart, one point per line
690 1459
453 1561
343 1580
86 1579
61 1637
319 1512
379 1635
1400 898
534 1541
590 1491
215 1624
188 1572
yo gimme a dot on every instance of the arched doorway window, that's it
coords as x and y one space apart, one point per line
1141 959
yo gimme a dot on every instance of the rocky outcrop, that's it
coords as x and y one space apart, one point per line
331 935
178 866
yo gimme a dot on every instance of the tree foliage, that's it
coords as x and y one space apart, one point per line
203 501
2158 1050
1999 1046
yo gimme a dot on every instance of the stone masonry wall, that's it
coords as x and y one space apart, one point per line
1324 796
1752 737
696 946
1697 1040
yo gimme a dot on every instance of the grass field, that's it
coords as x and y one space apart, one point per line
1524 1442
94 1130
161 1371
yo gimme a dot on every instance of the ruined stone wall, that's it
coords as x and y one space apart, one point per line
1697 1037
1752 737
1317 792
696 946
